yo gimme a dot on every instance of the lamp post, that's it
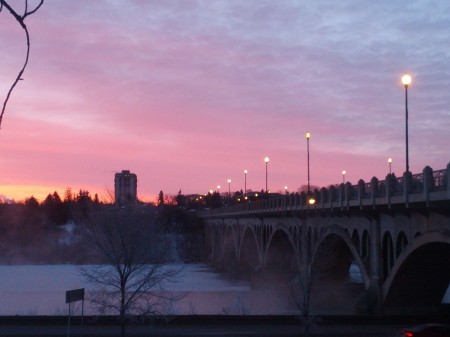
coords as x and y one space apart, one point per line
218 189
406 80
307 157
390 165
245 181
286 189
343 176
229 187
266 160
311 200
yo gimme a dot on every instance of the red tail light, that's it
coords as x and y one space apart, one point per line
407 333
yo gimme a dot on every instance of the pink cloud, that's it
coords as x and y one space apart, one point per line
188 95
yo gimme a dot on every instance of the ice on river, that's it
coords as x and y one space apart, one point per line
40 290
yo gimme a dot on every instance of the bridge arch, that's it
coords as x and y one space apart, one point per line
215 232
365 249
402 242
250 257
420 275
333 288
229 247
355 239
349 250
280 257
387 255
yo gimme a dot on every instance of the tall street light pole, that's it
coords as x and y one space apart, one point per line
311 199
390 165
245 181
343 176
307 156
229 187
406 80
266 160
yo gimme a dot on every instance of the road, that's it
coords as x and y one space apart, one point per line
218 330
219 327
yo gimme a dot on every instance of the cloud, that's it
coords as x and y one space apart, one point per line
189 93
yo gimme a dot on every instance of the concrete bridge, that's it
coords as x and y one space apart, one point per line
395 231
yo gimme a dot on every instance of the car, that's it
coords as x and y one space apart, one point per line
427 330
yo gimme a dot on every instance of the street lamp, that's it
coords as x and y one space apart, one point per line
245 181
229 187
343 176
286 189
390 165
307 155
406 80
218 189
266 160
311 200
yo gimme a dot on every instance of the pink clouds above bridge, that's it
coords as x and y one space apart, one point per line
188 94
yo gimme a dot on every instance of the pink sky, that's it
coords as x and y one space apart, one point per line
188 94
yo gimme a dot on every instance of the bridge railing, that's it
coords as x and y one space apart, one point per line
417 183
417 187
440 179
381 190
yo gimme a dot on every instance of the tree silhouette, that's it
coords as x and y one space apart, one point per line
133 254
21 20
161 198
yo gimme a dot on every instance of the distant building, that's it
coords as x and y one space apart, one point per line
125 187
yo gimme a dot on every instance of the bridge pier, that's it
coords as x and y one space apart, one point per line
374 289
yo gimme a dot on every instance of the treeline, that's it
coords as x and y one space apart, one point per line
212 199
51 231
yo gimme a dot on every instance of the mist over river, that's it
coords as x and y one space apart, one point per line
40 290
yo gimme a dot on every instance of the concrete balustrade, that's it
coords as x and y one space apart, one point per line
428 186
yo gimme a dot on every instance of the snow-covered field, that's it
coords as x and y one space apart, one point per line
40 290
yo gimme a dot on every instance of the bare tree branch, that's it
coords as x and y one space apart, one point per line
21 20
134 256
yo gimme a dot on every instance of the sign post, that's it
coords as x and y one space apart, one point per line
74 296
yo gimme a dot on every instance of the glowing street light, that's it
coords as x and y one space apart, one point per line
218 188
406 80
390 165
307 155
229 187
343 176
311 200
286 189
245 181
266 160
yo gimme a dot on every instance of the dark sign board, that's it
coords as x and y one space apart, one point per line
74 295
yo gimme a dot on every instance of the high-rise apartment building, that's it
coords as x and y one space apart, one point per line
125 187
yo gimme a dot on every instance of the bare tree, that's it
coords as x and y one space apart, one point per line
301 288
21 20
322 277
133 262
302 279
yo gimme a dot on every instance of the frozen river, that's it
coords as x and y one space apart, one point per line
40 290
